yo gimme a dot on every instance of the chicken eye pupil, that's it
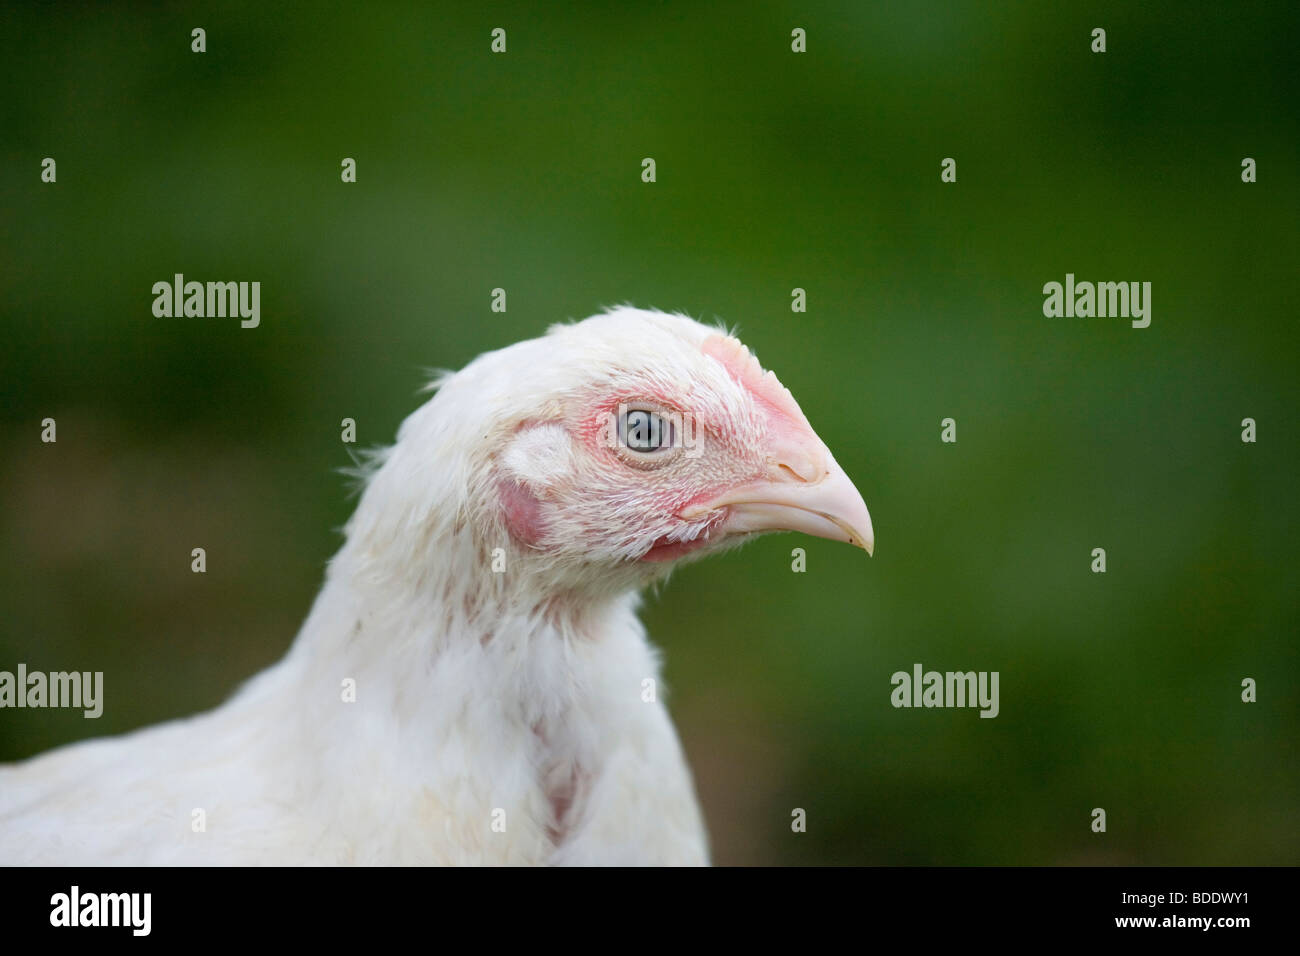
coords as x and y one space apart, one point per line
646 432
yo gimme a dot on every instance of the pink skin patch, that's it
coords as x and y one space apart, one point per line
522 512
785 418
764 386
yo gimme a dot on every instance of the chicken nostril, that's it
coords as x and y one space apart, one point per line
802 470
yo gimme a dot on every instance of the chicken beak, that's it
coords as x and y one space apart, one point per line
806 491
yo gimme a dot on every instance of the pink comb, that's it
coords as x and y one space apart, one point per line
744 368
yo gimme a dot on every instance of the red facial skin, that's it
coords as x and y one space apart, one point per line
785 420
783 416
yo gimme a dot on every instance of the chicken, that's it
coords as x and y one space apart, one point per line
469 685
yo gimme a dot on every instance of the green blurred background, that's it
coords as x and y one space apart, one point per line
775 171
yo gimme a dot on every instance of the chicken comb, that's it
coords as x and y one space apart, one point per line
744 367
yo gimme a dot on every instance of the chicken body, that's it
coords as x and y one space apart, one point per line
510 752
471 684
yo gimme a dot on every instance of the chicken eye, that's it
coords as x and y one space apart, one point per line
646 432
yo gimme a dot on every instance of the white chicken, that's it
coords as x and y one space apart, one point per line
468 687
